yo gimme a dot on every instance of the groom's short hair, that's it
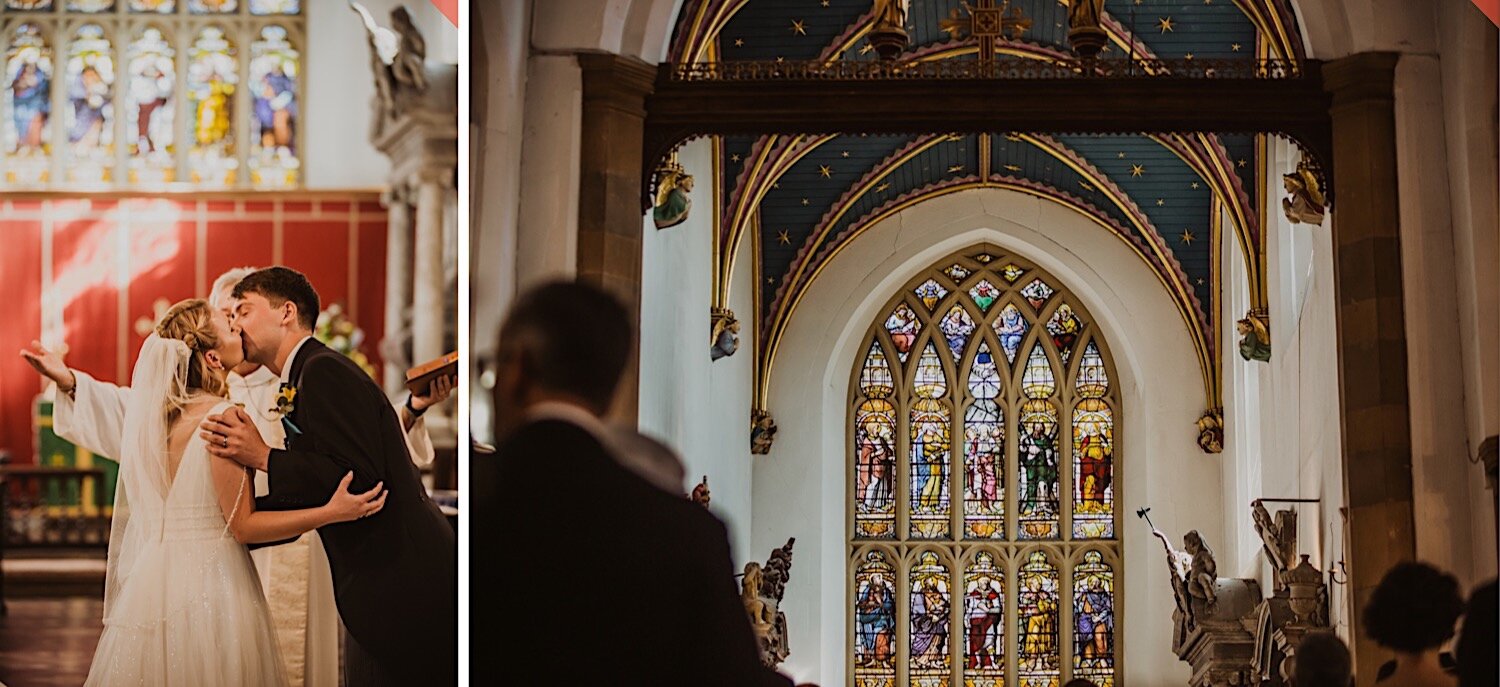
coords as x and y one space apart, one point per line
575 338
280 285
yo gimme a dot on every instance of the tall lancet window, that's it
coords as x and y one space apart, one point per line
983 473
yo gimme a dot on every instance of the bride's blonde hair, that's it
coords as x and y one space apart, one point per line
192 322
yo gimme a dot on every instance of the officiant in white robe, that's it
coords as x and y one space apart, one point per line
295 576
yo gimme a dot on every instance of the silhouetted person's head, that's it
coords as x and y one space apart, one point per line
1322 661
1413 610
560 342
1478 640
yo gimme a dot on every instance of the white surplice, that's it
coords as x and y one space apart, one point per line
297 582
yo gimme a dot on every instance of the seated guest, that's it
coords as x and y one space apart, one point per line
1477 641
583 571
1412 613
1322 660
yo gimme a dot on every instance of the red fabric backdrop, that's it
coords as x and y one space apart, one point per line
89 272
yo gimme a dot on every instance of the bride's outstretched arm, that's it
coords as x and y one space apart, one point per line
250 526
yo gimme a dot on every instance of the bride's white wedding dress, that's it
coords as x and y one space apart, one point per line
183 604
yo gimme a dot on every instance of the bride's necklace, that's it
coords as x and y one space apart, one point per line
264 413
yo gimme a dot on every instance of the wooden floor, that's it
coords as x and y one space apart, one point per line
49 642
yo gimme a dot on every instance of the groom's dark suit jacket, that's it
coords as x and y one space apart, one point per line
395 573
585 574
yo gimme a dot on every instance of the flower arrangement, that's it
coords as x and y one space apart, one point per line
338 332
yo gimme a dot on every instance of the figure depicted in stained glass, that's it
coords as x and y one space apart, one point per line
1095 617
1094 469
1011 328
1064 328
28 65
213 76
1037 293
1039 609
982 485
929 613
152 79
929 453
956 327
875 614
984 612
875 465
276 110
275 6
902 325
158 6
89 95
274 68
212 6
930 292
984 294
1038 459
91 75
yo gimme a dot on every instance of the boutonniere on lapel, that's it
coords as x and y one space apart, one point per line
286 402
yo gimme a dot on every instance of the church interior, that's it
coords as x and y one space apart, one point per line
976 313
147 147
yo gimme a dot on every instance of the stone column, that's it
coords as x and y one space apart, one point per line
610 219
397 283
428 302
1371 330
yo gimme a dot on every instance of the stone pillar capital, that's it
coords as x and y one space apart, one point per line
443 176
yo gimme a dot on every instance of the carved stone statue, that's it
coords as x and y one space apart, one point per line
1085 27
398 61
762 432
1178 565
761 591
725 336
1255 331
1204 570
1304 203
1278 535
1211 431
888 30
701 495
672 203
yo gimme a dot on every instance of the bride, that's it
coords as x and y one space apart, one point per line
182 603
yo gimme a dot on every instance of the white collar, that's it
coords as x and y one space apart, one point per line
286 370
260 377
571 414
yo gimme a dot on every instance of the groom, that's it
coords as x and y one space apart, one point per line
395 575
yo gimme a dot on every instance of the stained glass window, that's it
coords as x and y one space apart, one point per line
984 623
90 5
273 82
213 75
875 451
28 5
874 622
1037 658
1034 465
212 6
984 452
930 449
929 625
1094 620
275 6
152 76
902 325
930 292
28 78
104 94
984 295
957 326
91 112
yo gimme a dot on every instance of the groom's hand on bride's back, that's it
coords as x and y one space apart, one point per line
232 435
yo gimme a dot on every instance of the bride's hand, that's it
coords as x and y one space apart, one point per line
345 506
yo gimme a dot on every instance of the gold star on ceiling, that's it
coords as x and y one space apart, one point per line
882 187
1164 23
844 153
1137 170
1235 47
770 280
1187 237
739 42
1013 168
735 157
1120 155
1200 281
776 185
1241 162
784 237
824 3
798 28
826 171
955 169
866 49
1161 202
1195 185
780 59
1188 56
805 201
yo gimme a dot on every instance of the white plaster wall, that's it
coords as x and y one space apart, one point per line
698 406
800 486
340 86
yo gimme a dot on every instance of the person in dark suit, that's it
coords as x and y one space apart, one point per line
395 574
582 571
